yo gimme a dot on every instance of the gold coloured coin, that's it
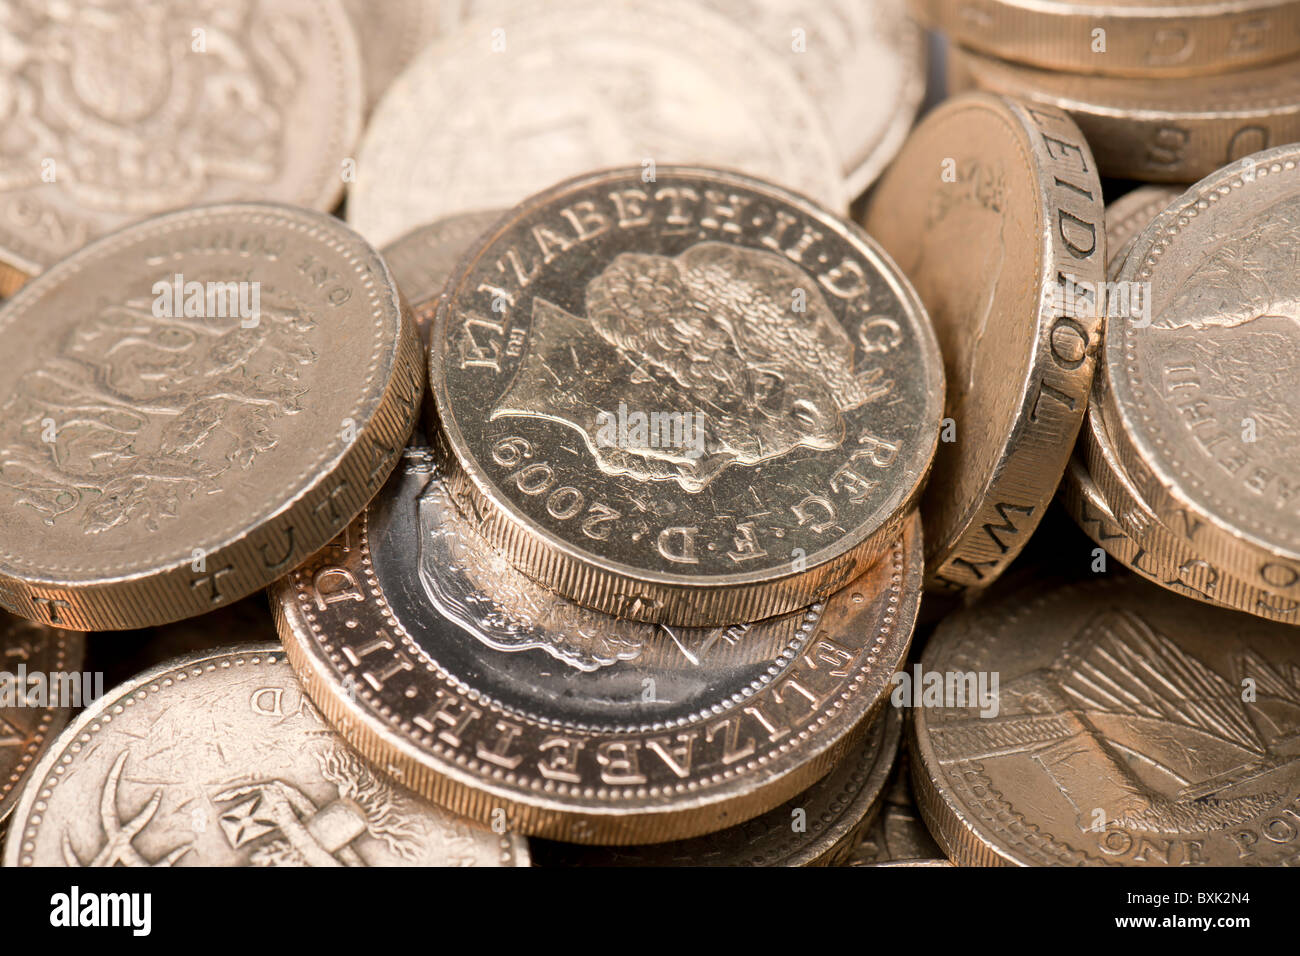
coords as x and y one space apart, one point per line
220 759
499 700
816 828
1155 130
1199 393
1165 38
1130 534
696 401
1122 733
190 407
994 212
120 111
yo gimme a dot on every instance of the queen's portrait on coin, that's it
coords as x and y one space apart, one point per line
739 339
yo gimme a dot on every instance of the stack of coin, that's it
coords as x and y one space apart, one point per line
1185 471
660 558
1165 92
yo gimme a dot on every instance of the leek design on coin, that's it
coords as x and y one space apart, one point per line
520 99
501 701
1134 728
1202 403
815 828
117 111
190 407
1164 38
994 211
41 685
695 401
220 759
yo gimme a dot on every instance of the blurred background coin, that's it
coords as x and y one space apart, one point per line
391 33
1155 130
190 407
219 759
1164 38
424 259
1133 727
1200 395
521 98
116 111
500 700
994 212
816 828
699 401
41 685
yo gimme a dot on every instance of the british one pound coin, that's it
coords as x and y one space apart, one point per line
190 407
994 212
114 112
505 703
520 98
697 401
1199 394
815 828
1166 38
1154 130
1132 727
220 759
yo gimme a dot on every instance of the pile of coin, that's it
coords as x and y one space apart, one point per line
481 434
1165 92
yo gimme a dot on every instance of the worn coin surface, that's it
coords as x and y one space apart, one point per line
1202 402
424 259
190 407
440 661
117 111
696 401
220 759
815 828
1134 727
34 662
514 102
1163 38
994 211
1155 130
